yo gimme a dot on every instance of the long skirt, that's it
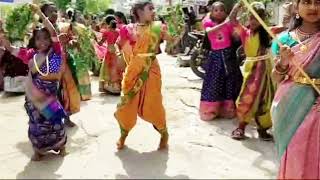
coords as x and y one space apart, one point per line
111 73
257 92
221 85
44 134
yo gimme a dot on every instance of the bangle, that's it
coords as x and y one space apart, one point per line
281 70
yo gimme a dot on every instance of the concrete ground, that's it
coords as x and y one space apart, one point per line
197 149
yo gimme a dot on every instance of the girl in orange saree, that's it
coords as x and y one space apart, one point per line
141 84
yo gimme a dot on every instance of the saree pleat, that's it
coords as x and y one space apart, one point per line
295 112
141 84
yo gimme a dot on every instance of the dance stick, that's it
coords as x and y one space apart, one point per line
295 63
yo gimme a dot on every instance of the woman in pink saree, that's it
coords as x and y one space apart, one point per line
296 106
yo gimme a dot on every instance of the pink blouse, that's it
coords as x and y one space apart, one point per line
220 39
110 36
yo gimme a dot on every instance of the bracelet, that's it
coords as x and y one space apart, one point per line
280 70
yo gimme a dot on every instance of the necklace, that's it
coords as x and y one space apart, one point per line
303 36
37 68
307 35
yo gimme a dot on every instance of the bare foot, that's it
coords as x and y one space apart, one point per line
69 123
163 142
120 143
63 152
36 157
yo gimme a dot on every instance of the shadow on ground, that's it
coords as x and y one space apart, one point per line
151 165
225 128
46 168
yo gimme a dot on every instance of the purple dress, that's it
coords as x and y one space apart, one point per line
46 126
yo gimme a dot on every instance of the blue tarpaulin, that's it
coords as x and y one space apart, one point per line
7 1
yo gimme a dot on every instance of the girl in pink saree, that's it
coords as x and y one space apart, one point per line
296 106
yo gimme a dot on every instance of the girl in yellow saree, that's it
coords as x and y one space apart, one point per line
141 84
254 101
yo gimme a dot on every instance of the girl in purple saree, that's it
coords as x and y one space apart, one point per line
46 129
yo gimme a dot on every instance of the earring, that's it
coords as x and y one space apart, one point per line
297 16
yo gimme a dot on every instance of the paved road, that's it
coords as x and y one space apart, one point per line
197 149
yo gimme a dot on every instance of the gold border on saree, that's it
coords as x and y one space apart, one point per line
259 58
303 80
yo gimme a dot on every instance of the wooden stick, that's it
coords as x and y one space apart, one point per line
295 63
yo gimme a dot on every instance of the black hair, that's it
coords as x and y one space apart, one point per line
109 12
121 16
111 21
32 41
71 15
139 6
44 8
210 2
265 39
295 22
162 19
219 4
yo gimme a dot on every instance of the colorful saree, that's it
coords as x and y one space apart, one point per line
69 95
296 113
46 128
141 84
77 59
254 101
112 68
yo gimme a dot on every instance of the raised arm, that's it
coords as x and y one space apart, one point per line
23 54
234 13
36 9
217 27
6 43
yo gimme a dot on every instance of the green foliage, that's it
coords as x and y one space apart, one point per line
174 19
4 10
85 56
18 22
61 4
92 6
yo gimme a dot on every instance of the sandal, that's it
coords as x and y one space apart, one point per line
238 134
